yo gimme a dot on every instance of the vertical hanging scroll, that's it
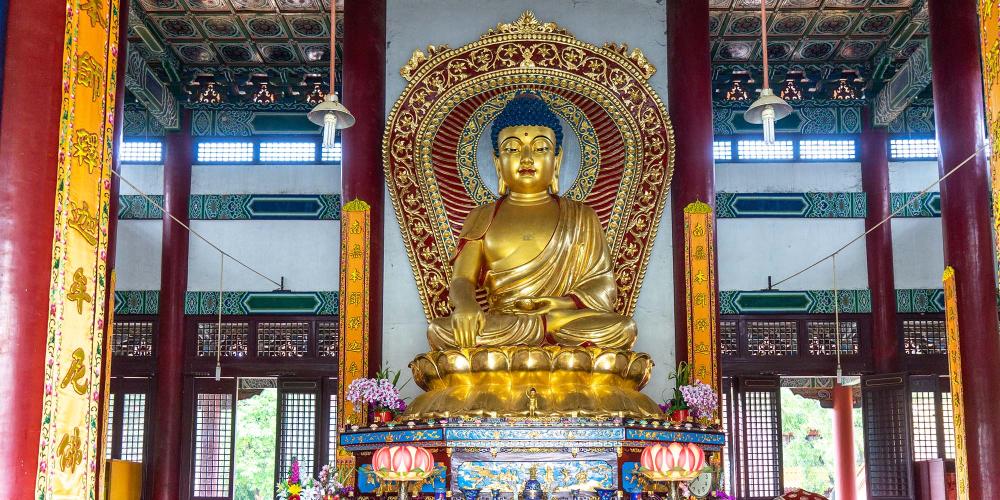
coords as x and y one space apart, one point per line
355 250
68 442
699 277
989 36
955 373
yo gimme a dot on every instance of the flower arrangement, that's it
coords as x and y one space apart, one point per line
380 392
680 378
333 482
291 488
696 397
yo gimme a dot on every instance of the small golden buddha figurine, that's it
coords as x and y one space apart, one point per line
543 259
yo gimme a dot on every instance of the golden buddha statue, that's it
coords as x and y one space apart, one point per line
549 342
542 259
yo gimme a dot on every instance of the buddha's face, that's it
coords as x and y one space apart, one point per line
527 161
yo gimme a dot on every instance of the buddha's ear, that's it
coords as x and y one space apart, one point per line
501 185
556 165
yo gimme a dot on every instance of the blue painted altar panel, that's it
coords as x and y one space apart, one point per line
557 475
630 482
679 436
535 434
400 436
368 482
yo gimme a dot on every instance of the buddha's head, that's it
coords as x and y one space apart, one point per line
527 146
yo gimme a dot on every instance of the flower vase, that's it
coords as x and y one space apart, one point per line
679 416
381 416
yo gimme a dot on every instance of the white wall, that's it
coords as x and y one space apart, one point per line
917 244
413 24
787 177
265 179
138 252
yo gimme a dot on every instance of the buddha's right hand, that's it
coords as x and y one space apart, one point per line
467 323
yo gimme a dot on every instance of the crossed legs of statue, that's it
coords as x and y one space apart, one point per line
561 327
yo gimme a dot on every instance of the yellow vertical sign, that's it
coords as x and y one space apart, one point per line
955 373
989 36
68 448
699 281
355 250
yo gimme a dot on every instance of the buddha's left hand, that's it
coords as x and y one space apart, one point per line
544 305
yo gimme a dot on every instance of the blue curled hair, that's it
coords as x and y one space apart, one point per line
526 108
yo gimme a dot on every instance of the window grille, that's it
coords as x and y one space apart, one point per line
925 337
235 337
132 339
727 458
109 432
326 333
948 425
277 152
141 152
925 437
772 338
759 150
760 438
913 149
225 152
334 155
722 150
334 429
729 333
283 340
888 452
297 433
823 340
213 444
133 427
824 149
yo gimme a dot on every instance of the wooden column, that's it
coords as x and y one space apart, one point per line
362 177
966 221
29 140
886 347
169 349
690 102
843 431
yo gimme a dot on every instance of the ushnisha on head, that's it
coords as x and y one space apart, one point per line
527 146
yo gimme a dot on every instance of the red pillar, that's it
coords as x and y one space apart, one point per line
843 432
29 138
169 402
966 219
886 347
690 101
362 177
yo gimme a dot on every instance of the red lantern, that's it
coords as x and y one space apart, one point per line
673 462
402 463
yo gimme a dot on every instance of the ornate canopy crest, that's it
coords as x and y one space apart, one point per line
430 145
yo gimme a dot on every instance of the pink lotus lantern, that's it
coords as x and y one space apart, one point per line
673 462
402 463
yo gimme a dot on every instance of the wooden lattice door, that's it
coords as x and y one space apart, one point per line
888 440
757 431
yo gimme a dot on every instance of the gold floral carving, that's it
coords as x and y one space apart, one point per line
610 81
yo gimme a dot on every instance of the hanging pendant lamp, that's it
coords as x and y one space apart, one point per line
768 108
331 114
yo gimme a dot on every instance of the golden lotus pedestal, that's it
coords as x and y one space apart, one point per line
521 381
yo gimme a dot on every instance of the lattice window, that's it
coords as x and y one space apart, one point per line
913 149
277 152
728 333
823 340
133 426
333 430
283 340
824 149
760 440
925 436
948 424
925 337
327 333
141 152
213 442
298 431
109 431
225 152
886 416
332 155
760 150
726 457
235 337
722 150
132 339
772 338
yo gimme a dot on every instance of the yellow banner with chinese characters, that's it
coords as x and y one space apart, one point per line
355 250
989 37
955 373
699 285
68 446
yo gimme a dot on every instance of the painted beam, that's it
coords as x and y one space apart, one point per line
149 90
911 79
